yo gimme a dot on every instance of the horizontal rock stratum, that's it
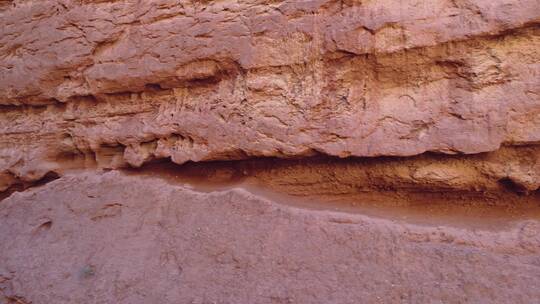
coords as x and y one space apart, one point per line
124 82
279 151
112 238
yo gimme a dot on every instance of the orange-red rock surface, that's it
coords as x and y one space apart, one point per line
112 238
384 102
125 82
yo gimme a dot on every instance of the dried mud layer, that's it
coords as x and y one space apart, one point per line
249 151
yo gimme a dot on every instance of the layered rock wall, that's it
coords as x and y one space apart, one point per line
111 238
120 83
279 151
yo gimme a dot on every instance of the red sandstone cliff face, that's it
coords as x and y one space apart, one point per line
393 102
113 238
124 82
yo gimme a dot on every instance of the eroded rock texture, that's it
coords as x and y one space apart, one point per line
383 107
113 238
122 82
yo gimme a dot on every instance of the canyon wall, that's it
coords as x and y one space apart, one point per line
388 103
120 83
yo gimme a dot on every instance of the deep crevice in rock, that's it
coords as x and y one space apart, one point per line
352 185
20 186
